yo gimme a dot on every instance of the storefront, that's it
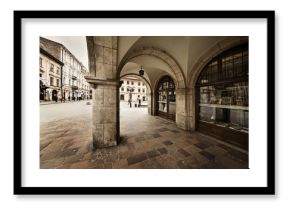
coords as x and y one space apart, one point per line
222 101
42 90
166 106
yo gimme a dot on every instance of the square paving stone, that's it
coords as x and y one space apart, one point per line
162 150
183 152
208 155
139 139
229 163
167 143
182 165
152 153
163 129
202 145
156 135
235 153
137 158
239 155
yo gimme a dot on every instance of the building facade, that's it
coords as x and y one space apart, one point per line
132 88
50 76
72 82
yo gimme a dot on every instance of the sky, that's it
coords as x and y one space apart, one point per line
77 45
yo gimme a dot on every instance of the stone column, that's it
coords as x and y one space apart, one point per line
153 103
190 96
182 115
148 96
102 51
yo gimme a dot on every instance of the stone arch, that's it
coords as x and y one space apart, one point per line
134 74
160 77
149 94
160 54
179 79
211 53
214 51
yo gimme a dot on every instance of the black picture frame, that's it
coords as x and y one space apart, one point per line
19 189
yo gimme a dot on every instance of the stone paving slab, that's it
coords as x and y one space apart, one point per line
147 142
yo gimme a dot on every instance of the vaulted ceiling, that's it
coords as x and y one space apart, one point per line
187 51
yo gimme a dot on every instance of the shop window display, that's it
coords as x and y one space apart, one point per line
222 95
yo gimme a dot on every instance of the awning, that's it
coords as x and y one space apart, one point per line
43 84
75 87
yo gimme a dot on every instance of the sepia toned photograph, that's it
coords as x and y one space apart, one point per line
144 102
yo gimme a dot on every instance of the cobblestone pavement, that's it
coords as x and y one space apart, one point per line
147 142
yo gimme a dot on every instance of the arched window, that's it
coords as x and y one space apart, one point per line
222 97
166 98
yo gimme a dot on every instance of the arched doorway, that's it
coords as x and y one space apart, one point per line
222 97
165 98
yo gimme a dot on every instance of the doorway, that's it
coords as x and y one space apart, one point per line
166 98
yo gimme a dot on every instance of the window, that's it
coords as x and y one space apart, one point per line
128 82
139 83
139 90
231 65
225 105
57 71
40 62
132 83
40 75
51 81
122 88
224 97
51 67
57 82
143 90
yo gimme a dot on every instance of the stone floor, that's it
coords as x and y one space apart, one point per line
147 142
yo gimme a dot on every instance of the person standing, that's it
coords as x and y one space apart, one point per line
130 102
139 101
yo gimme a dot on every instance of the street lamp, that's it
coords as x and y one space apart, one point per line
131 89
141 71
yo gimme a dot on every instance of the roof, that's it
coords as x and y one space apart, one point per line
60 45
51 56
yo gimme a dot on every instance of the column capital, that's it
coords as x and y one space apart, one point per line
96 81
